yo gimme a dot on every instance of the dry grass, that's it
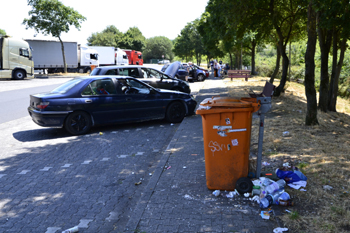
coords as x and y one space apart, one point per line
322 152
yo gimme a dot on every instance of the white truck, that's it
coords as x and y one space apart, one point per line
108 56
15 59
47 55
121 57
105 55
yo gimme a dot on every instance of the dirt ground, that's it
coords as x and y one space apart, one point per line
321 152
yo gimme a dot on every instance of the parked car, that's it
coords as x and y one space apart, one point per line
151 76
163 61
199 73
83 102
175 70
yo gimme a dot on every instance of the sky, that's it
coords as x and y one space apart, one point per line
152 17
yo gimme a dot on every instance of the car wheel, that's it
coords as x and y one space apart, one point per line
200 77
244 185
175 112
78 123
18 75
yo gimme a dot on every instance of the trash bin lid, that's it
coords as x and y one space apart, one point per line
228 103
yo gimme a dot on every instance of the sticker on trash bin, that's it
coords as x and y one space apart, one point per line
222 133
222 127
236 130
234 142
228 122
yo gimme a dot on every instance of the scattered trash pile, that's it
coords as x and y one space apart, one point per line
269 189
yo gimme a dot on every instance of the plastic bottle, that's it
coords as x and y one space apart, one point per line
216 193
266 201
276 195
284 196
275 186
285 203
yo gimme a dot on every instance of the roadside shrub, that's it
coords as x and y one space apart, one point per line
266 70
297 73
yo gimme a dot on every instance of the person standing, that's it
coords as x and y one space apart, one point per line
212 65
216 68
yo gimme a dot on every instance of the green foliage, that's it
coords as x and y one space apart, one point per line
111 36
294 215
2 32
133 39
189 43
51 17
158 46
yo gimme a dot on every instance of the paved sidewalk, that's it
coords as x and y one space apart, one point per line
177 198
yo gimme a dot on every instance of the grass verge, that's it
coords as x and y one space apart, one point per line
322 152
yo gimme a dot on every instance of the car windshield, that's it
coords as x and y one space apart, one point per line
66 86
96 71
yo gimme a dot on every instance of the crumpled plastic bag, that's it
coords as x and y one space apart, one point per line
291 176
279 230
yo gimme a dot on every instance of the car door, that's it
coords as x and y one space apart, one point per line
182 72
156 79
142 101
101 99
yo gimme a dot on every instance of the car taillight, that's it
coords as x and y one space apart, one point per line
42 105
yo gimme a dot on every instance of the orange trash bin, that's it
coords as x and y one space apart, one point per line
226 126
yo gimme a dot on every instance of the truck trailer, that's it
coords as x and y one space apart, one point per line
47 55
15 59
108 56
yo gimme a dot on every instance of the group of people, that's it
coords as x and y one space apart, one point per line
217 67
190 70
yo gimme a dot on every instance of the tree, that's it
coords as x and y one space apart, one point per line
133 39
341 34
183 46
2 32
324 29
111 36
310 91
158 46
54 18
108 37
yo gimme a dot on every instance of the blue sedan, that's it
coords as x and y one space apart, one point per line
83 102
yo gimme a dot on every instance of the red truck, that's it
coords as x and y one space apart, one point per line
134 57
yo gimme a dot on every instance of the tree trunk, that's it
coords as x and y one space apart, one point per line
285 64
311 112
253 72
277 68
236 61
290 60
325 42
240 58
64 56
334 64
333 91
231 61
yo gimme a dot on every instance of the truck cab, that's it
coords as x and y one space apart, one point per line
87 58
16 60
121 58
134 57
